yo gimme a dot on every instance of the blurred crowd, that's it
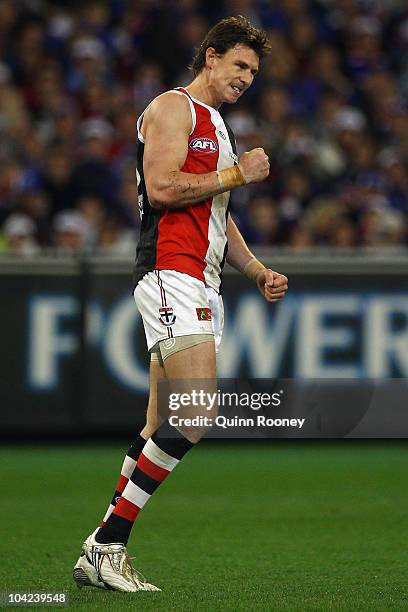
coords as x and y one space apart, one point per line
330 106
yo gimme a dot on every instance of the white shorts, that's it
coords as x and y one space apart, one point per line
175 304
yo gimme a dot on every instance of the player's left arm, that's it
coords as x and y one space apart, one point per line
271 284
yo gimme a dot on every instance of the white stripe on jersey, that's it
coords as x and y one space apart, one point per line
217 222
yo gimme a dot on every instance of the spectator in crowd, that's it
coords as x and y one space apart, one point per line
34 203
396 180
295 197
92 214
116 241
89 65
70 231
148 85
382 229
344 234
299 240
262 224
19 231
58 181
322 219
275 109
65 126
92 173
14 118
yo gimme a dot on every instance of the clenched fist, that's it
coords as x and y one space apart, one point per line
272 285
254 165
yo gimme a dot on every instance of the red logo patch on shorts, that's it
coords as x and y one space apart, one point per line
204 314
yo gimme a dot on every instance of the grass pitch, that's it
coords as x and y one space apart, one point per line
278 526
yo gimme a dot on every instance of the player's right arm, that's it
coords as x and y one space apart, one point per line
166 127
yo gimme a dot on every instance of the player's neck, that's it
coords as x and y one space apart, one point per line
203 92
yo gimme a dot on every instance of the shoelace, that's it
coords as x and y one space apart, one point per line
135 572
124 568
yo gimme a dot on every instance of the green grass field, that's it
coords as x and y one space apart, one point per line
284 526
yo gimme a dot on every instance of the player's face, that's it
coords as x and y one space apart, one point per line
233 72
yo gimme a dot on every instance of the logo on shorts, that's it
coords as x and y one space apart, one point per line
169 343
204 314
167 316
204 145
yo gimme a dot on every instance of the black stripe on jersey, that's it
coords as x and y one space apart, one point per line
149 227
231 137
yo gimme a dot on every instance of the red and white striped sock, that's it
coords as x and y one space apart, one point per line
160 455
128 466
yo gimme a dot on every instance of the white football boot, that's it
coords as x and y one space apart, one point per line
85 574
111 568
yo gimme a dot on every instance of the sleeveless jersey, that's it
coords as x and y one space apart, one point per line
192 239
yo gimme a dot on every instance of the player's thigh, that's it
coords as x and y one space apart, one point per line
195 362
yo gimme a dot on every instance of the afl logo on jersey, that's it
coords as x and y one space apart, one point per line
204 145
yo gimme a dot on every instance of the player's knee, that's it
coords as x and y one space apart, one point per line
194 434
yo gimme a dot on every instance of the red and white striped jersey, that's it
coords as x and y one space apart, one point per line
193 239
